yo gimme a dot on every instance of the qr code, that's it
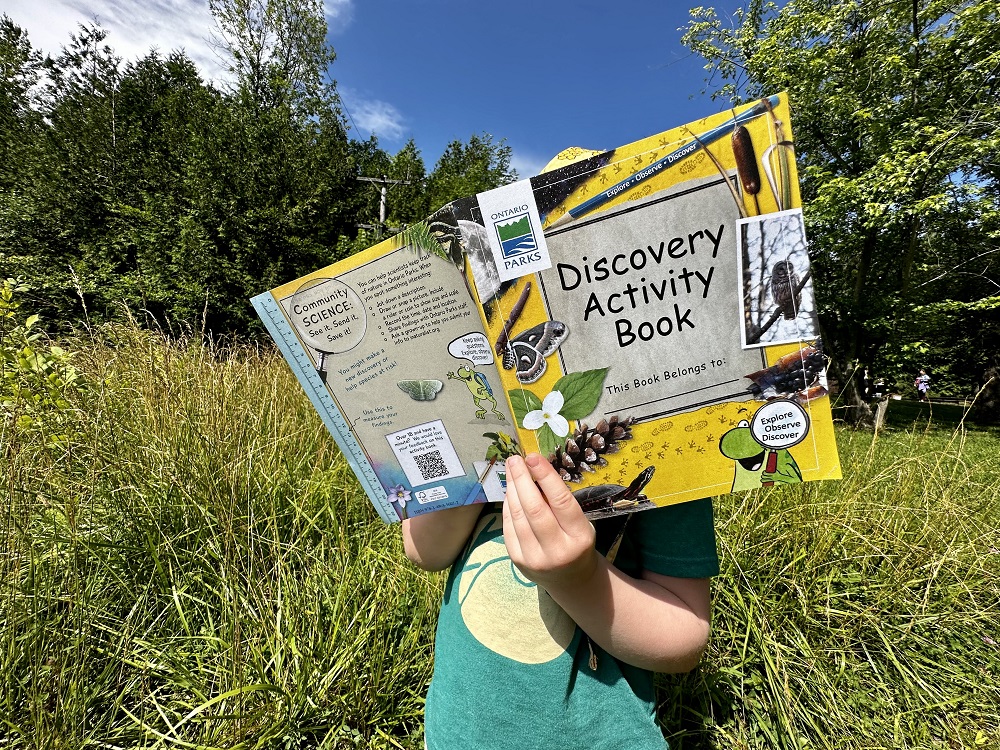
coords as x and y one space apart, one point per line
431 465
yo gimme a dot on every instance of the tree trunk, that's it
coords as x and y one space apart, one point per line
987 408
849 406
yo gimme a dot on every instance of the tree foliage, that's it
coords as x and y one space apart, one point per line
277 50
138 185
469 168
465 168
895 113
20 67
35 377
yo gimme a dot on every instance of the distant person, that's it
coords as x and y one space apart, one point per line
923 384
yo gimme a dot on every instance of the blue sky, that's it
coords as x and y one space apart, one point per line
542 75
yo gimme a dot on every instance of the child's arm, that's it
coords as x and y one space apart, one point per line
433 540
656 622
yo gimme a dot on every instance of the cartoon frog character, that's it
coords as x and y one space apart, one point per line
757 466
480 389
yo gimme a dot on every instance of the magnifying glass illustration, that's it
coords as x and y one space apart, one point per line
329 316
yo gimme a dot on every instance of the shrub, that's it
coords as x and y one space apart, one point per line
35 376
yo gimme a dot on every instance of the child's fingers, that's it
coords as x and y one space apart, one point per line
566 510
517 532
510 537
530 512
541 548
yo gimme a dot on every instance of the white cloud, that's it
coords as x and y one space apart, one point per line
373 116
527 165
338 13
137 26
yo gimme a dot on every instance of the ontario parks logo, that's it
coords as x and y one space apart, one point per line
514 231
516 237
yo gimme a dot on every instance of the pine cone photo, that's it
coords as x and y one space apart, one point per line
585 449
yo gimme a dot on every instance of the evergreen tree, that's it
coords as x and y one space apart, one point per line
468 168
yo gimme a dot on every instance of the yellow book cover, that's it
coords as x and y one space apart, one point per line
644 317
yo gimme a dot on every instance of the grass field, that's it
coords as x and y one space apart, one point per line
197 568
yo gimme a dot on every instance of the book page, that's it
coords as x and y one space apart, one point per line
644 317
654 314
396 339
658 298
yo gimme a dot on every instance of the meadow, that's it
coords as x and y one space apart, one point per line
194 566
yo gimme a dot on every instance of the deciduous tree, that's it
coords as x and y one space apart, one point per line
895 113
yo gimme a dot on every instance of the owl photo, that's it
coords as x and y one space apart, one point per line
778 302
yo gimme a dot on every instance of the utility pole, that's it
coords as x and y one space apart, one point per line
384 182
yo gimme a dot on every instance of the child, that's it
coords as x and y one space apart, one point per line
541 641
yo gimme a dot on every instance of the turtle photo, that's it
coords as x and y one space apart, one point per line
614 497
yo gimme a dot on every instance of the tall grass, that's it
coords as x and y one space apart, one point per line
201 570
860 613
197 568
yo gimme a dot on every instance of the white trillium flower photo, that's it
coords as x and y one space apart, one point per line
548 414
573 397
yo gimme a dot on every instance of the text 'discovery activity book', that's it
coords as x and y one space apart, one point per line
644 317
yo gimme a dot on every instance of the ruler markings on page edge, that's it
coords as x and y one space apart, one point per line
306 373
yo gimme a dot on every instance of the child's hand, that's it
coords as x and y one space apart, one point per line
654 621
547 535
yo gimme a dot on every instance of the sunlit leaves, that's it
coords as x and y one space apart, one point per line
895 113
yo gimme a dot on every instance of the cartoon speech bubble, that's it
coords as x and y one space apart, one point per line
780 424
474 347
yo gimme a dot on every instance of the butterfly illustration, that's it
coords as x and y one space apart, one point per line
421 390
527 351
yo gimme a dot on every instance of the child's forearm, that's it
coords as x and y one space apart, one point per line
433 540
657 623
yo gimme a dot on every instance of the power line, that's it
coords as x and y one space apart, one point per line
344 105
384 182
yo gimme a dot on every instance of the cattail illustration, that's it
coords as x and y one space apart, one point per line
778 158
746 162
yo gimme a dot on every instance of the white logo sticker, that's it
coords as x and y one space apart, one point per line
515 230
780 424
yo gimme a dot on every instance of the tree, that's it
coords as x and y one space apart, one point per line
468 168
140 184
405 177
277 49
58 207
895 109
20 68
464 169
409 202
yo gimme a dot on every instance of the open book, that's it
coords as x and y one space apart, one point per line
644 317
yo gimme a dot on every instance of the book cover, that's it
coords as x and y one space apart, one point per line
644 317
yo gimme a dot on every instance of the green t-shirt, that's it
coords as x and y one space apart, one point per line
511 668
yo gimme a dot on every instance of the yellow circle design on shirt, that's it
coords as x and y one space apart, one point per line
506 612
